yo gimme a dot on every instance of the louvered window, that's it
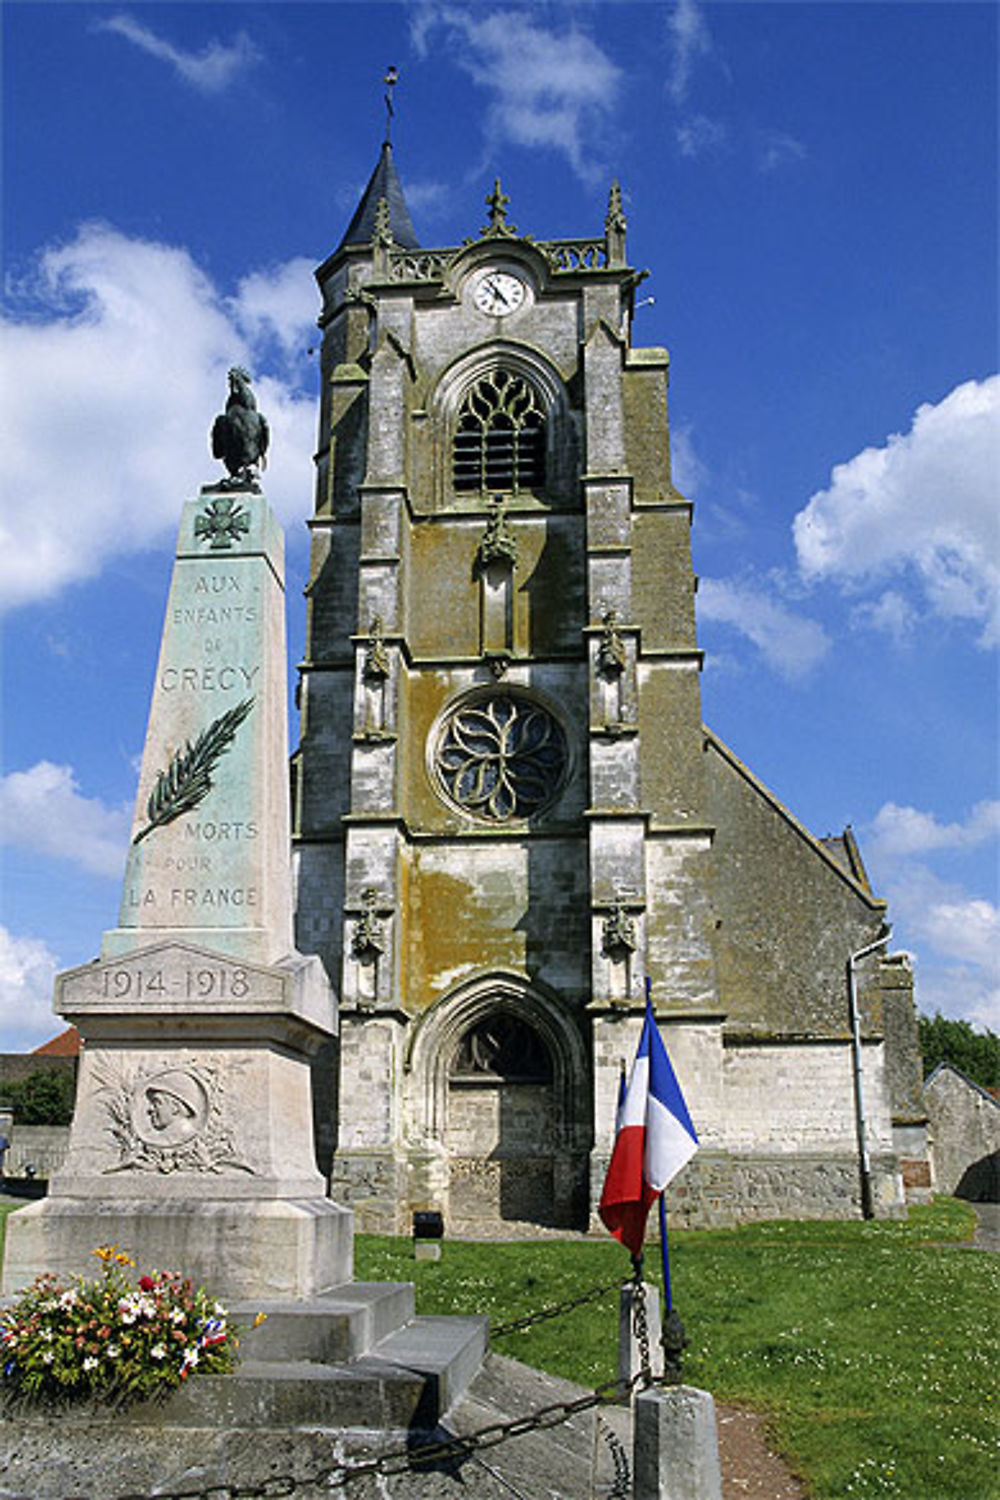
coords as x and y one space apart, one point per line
500 437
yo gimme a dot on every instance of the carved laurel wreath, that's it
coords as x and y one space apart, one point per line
187 780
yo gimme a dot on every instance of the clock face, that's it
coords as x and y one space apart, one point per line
499 293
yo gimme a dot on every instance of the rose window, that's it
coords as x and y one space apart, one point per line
501 757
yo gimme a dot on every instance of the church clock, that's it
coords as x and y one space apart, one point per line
498 293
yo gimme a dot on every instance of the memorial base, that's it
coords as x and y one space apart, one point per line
245 1250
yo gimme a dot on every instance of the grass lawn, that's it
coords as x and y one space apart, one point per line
871 1347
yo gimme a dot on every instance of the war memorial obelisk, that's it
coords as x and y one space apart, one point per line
192 1139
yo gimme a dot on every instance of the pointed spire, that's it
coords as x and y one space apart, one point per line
383 183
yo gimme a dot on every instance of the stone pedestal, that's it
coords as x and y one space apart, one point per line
676 1445
192 1139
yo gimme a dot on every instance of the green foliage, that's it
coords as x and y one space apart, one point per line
109 1339
867 1345
43 1097
976 1053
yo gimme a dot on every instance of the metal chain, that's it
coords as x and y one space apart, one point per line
621 1488
556 1310
457 1447
640 1327
402 1460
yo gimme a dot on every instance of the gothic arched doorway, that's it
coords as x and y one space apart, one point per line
506 1092
501 1128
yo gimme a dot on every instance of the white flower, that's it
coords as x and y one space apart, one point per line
112 1351
90 1363
178 1315
190 1358
68 1298
158 1351
48 1357
45 1334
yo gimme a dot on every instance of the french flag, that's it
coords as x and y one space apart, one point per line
654 1138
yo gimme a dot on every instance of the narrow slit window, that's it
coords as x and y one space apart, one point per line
500 437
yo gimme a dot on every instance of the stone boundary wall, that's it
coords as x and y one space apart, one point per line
44 1147
717 1189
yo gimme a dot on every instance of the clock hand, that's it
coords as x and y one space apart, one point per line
498 291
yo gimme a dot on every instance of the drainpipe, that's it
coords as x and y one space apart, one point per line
867 1204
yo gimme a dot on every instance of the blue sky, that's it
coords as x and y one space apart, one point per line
813 189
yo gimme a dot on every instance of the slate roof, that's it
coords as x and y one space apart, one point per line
383 183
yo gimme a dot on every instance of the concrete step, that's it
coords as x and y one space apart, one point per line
296 1393
406 1381
447 1351
341 1325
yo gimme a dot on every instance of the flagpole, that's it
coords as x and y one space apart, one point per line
664 1249
667 1295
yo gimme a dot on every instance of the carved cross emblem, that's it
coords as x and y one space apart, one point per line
223 522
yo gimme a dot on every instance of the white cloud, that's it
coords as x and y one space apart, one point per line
924 505
427 197
791 644
547 88
776 149
279 304
43 810
210 71
954 930
689 38
27 969
112 376
687 469
960 992
699 134
905 831
967 929
891 613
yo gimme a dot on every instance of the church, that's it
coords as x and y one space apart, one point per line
507 811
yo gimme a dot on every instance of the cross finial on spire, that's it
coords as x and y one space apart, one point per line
497 202
390 80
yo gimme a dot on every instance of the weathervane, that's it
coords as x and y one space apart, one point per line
390 80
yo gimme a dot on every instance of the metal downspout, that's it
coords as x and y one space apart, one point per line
867 1201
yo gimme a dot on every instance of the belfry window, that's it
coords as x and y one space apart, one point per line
500 437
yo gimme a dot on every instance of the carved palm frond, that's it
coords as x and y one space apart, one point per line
188 778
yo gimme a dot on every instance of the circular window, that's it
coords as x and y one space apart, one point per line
501 757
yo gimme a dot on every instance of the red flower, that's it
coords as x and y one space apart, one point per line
146 1283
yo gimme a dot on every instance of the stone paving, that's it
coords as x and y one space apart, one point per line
573 1461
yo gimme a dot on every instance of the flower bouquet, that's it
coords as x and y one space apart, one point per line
110 1339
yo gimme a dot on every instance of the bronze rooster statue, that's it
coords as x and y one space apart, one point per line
240 434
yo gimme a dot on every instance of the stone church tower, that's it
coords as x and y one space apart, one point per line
507 809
